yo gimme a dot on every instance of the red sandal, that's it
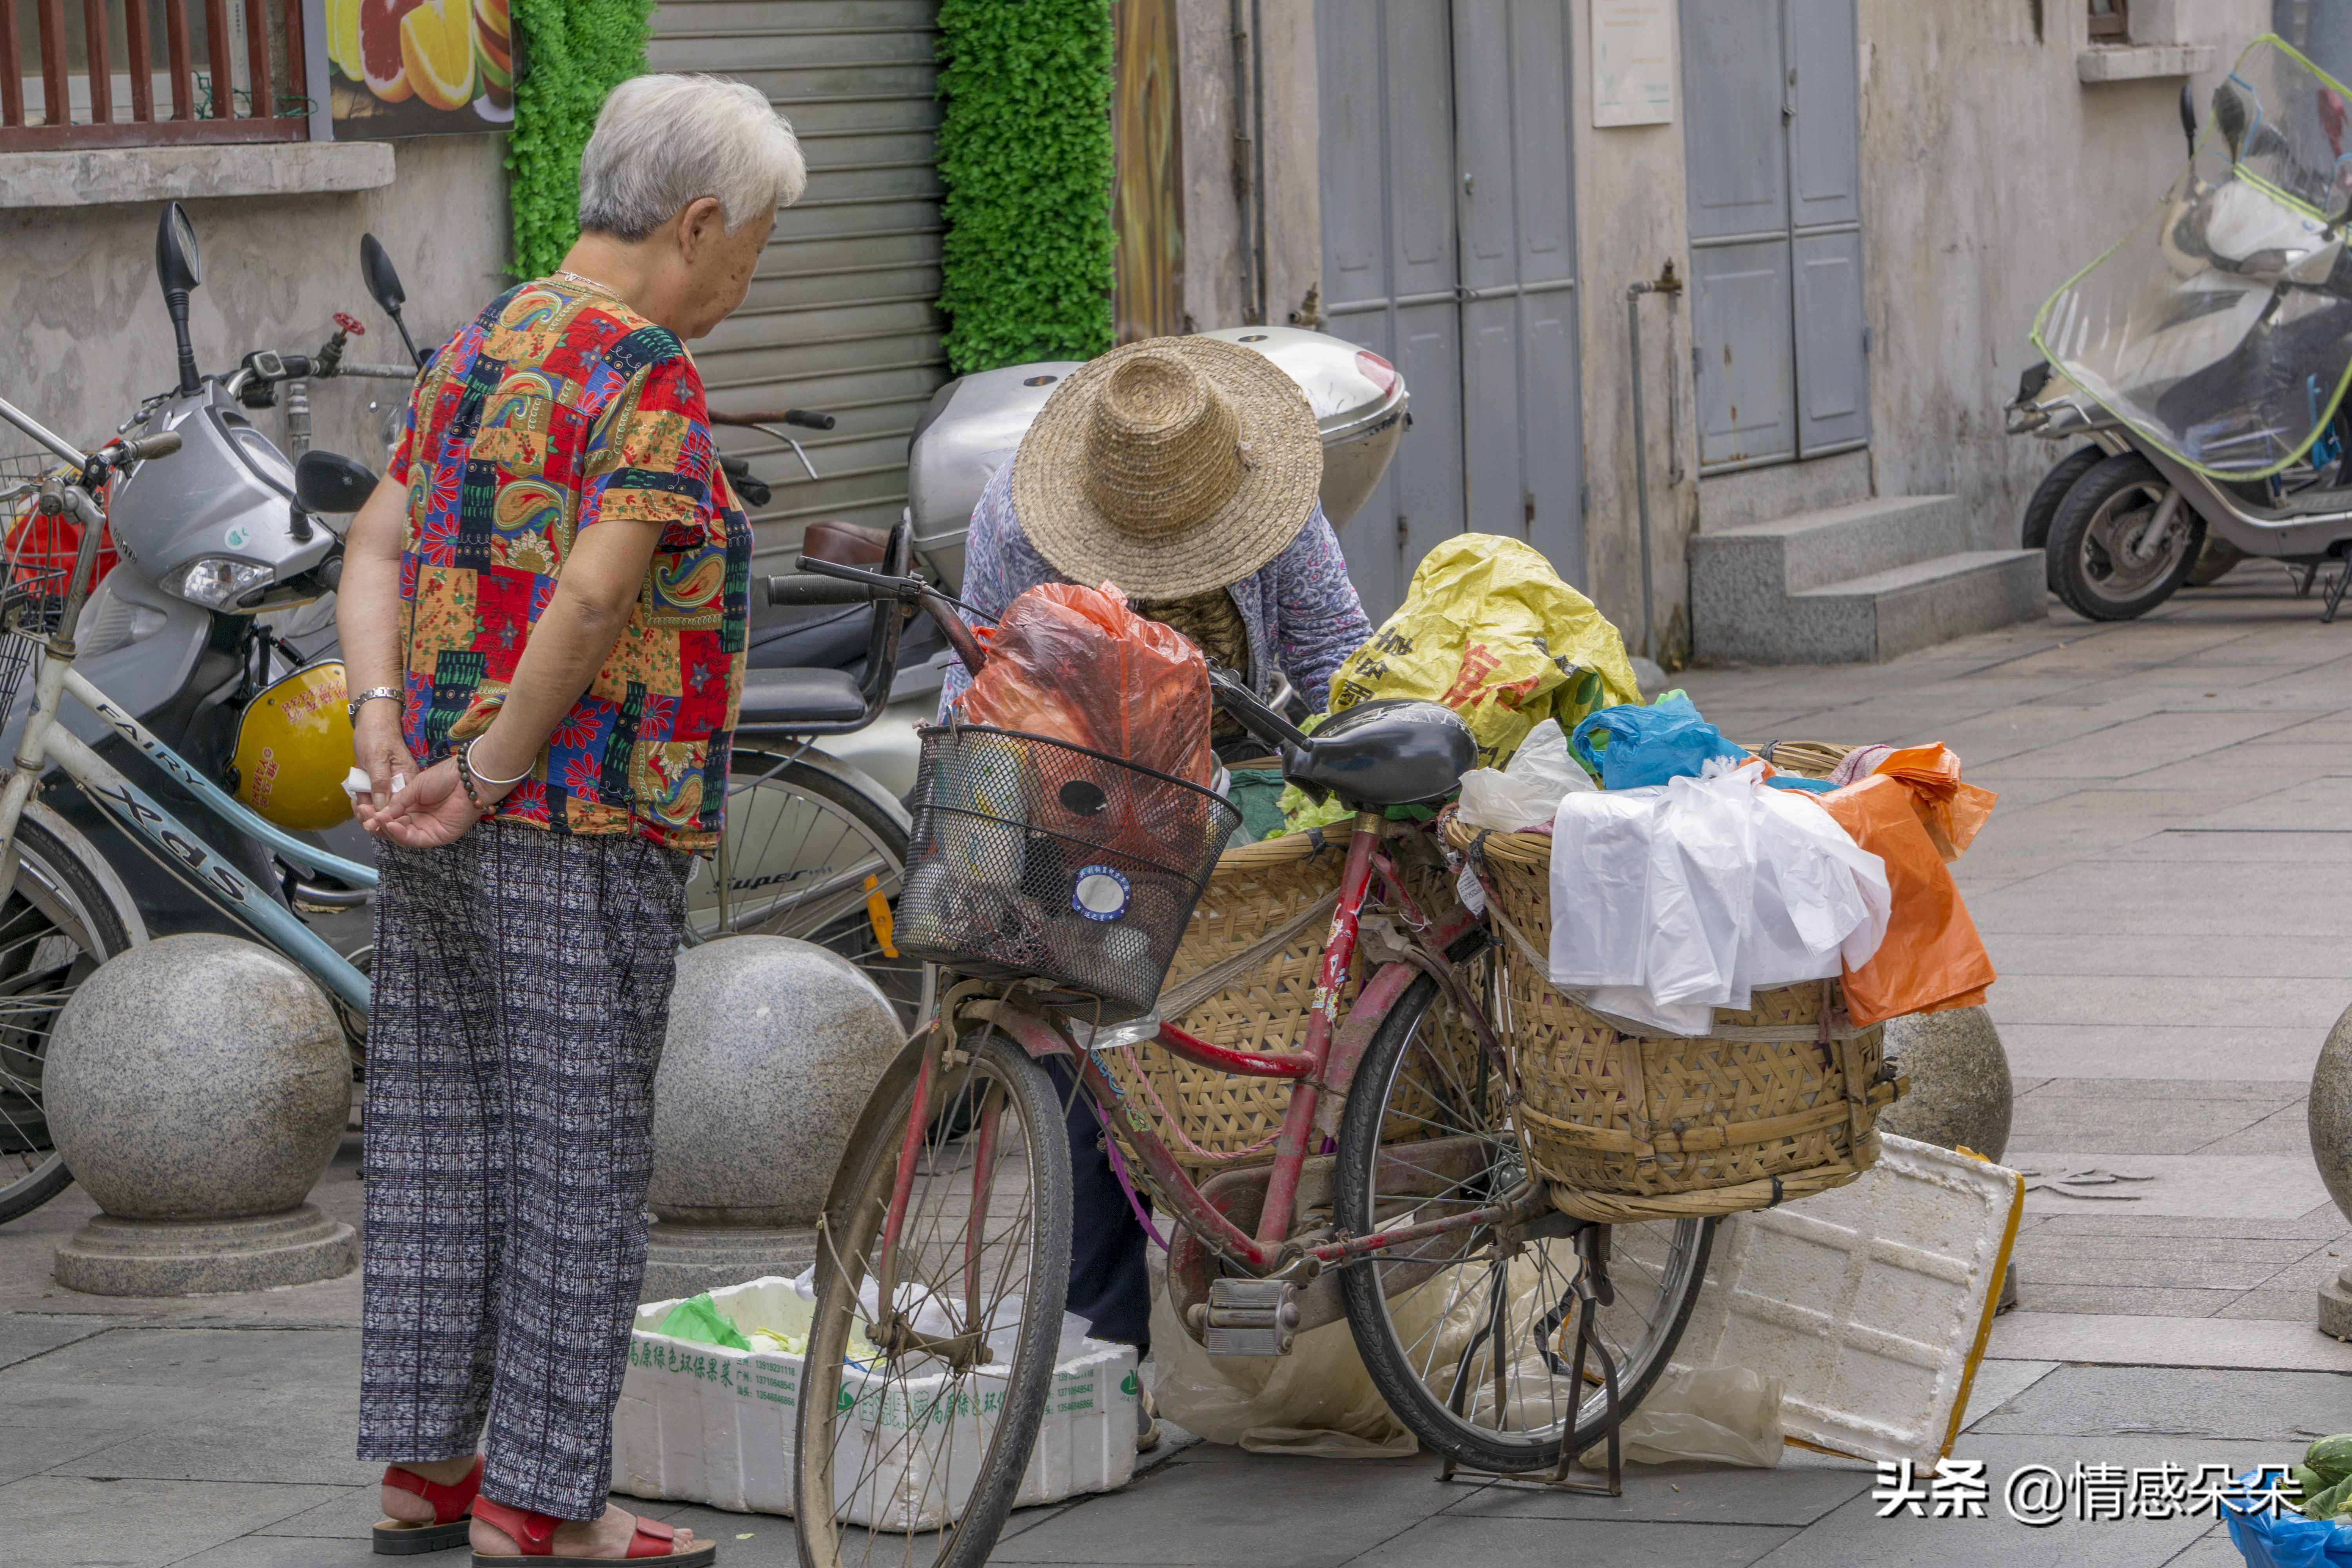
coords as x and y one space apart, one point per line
535 1533
399 1537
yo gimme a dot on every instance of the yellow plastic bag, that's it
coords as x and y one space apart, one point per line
1489 629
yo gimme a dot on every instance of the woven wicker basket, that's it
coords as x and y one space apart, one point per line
1255 891
1258 891
1626 1126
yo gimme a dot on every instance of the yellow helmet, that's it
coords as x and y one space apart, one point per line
293 748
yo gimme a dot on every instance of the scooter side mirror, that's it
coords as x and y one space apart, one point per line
2232 114
177 269
177 265
2189 117
383 279
330 482
383 286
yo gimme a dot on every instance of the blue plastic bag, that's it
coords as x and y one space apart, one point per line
2286 1540
1639 746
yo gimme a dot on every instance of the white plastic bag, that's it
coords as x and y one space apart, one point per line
1526 793
1672 900
1717 1416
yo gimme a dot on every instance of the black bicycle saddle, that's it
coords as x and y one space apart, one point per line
1394 750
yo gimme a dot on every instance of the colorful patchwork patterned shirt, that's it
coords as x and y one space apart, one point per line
559 408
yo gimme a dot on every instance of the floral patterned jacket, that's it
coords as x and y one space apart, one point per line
1302 612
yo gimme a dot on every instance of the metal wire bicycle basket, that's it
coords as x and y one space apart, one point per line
1033 858
36 557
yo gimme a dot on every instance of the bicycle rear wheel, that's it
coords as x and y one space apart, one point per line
797 852
910 1447
57 923
1470 1336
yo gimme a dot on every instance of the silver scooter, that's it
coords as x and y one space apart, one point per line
2250 295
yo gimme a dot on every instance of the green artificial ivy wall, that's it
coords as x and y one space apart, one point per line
574 52
1024 157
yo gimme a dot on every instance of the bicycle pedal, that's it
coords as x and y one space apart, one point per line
1249 1317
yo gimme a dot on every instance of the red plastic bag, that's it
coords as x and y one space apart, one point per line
1077 665
1932 958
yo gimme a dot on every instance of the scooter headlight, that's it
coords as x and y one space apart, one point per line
217 580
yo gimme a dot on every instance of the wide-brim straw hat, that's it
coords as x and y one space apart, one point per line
1170 467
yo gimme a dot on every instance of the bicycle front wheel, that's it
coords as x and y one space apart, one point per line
802 855
1470 1336
57 923
914 1434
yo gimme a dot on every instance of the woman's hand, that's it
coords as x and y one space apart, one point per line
381 753
432 811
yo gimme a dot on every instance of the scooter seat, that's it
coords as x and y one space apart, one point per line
1395 750
782 699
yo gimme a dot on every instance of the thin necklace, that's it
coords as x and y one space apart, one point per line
588 283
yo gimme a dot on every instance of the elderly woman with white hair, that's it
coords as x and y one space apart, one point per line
543 615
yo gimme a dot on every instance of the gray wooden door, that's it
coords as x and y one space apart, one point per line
1449 250
1772 128
842 314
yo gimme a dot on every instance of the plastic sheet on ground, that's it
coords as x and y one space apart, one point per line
1489 629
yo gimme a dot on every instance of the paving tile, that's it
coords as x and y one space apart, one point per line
2183 1050
2057 1264
2268 1254
2236 845
2271 1304
2227 1001
2112 1089
279 1551
71 1519
2281 1407
1997 1382
1667 1494
2036 1295
23 1337
1228 1506
2191 1186
1548 1542
2285 1131
2137 1125
2136 746
2101 952
350 1513
2116 1340
2321 1225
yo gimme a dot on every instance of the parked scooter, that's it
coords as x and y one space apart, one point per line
2197 370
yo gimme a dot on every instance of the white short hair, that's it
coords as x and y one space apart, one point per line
664 140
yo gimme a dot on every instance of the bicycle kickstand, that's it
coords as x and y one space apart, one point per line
2336 593
1587 1337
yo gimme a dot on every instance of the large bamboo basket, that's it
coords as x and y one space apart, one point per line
1280 889
1780 1101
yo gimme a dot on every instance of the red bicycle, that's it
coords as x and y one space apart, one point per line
1504 1334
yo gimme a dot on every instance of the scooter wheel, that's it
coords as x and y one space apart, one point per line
2051 493
2099 525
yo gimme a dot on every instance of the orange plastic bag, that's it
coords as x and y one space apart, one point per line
1077 665
1949 810
1932 958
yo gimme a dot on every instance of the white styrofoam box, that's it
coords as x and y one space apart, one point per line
1874 1299
705 1424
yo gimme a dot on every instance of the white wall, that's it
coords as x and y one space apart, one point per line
83 335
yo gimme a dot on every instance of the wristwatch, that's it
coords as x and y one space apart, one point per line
352 709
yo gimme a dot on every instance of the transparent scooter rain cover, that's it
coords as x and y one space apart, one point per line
2221 328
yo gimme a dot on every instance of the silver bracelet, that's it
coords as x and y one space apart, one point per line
530 768
387 694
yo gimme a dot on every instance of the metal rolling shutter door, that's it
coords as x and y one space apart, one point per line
842 312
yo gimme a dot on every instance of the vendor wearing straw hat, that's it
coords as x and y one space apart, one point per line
1184 470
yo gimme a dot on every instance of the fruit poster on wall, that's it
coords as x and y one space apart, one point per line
420 67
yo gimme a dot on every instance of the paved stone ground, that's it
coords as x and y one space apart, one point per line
2162 888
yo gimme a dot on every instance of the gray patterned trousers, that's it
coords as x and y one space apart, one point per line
522 984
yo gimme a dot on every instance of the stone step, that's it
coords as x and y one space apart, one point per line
1833 545
1866 618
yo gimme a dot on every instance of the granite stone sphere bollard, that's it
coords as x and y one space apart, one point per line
1961 1094
2329 1111
198 1087
773 1046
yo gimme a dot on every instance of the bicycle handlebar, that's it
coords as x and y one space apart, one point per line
1228 692
806 419
856 586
